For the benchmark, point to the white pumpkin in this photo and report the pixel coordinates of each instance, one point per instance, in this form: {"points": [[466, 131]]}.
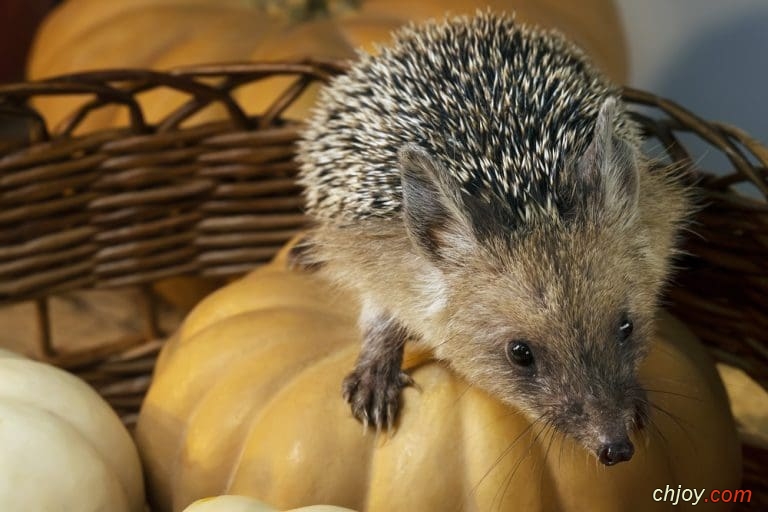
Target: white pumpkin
{"points": [[62, 448], [234, 503]]}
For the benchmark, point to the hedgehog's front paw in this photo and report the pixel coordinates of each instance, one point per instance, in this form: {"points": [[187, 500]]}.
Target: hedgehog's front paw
{"points": [[373, 393]]}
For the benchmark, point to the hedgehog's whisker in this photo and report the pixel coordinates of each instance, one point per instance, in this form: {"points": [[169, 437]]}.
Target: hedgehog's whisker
{"points": [[500, 457], [501, 492]]}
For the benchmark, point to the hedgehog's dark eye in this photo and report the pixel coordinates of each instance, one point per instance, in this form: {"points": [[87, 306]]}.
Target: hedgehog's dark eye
{"points": [[625, 328], [518, 352]]}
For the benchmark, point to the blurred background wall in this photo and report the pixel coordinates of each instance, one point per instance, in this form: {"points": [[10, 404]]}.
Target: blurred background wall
{"points": [[709, 55], [18, 20]]}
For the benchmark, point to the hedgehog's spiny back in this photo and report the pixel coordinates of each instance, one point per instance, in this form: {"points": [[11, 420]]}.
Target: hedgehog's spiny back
{"points": [[501, 106]]}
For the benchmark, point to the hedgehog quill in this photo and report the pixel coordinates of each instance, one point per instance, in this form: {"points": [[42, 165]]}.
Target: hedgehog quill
{"points": [[480, 185]]}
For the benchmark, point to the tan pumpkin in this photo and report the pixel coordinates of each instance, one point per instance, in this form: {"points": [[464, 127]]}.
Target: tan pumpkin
{"points": [[159, 34], [245, 400], [246, 504], [61, 445]]}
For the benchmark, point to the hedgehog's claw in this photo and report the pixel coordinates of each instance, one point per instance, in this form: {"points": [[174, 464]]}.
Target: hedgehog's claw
{"points": [[373, 394]]}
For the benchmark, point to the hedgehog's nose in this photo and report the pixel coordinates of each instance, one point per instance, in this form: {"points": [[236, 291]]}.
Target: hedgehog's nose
{"points": [[613, 453]]}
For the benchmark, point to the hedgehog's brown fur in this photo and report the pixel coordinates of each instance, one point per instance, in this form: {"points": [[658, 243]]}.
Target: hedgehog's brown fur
{"points": [[467, 220]]}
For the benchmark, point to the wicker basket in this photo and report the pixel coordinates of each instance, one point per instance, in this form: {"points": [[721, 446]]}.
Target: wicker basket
{"points": [[127, 207]]}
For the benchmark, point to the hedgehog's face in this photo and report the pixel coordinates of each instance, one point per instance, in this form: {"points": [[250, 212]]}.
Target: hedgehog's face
{"points": [[558, 327], [553, 316]]}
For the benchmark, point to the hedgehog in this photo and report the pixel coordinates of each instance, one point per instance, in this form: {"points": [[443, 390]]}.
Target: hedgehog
{"points": [[479, 185]]}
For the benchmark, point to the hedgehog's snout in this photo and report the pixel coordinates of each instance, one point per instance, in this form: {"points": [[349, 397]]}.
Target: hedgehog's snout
{"points": [[610, 436], [615, 450], [604, 426], [613, 443]]}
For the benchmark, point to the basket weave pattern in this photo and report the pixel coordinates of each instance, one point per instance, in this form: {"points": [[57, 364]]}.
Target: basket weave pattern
{"points": [[131, 205]]}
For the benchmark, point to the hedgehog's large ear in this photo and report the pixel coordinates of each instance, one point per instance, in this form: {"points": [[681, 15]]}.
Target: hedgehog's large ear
{"points": [[608, 169], [432, 210]]}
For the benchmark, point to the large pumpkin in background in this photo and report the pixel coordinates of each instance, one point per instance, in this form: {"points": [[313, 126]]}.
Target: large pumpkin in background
{"points": [[246, 400], [61, 446], [160, 34]]}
